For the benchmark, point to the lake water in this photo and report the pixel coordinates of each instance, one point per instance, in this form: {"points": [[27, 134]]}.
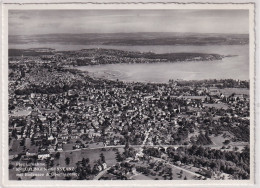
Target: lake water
{"points": [[231, 67]]}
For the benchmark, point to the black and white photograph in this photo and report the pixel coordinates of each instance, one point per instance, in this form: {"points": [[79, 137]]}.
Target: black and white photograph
{"points": [[130, 94]]}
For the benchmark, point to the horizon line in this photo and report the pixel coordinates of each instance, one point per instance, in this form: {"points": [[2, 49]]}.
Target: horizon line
{"points": [[130, 33]]}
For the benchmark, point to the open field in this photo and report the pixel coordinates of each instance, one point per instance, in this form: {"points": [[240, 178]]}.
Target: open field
{"points": [[230, 91], [218, 140]]}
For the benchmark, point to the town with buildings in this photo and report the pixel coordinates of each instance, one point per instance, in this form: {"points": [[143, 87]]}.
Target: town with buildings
{"points": [[67, 125]]}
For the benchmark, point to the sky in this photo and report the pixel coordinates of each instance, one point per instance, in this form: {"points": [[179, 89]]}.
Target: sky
{"points": [[31, 22]]}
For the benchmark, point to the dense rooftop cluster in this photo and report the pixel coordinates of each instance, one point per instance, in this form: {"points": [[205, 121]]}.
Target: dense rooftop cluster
{"points": [[55, 108]]}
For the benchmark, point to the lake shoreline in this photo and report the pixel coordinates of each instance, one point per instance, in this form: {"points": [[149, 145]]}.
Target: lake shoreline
{"points": [[146, 63]]}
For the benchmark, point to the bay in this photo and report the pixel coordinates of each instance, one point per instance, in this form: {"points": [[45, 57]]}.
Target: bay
{"points": [[236, 67]]}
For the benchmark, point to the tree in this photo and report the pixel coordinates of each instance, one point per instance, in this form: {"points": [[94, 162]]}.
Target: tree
{"points": [[95, 169], [88, 169], [102, 158], [185, 178], [57, 155], [51, 163], [11, 166], [226, 142], [67, 160], [119, 158], [84, 162], [47, 162]]}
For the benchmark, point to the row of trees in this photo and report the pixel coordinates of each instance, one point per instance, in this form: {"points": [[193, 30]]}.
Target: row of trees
{"points": [[234, 163]]}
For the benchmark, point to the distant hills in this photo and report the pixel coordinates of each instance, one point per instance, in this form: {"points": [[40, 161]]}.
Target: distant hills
{"points": [[130, 39]]}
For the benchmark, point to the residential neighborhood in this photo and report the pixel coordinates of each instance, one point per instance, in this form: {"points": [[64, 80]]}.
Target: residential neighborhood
{"points": [[96, 128]]}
